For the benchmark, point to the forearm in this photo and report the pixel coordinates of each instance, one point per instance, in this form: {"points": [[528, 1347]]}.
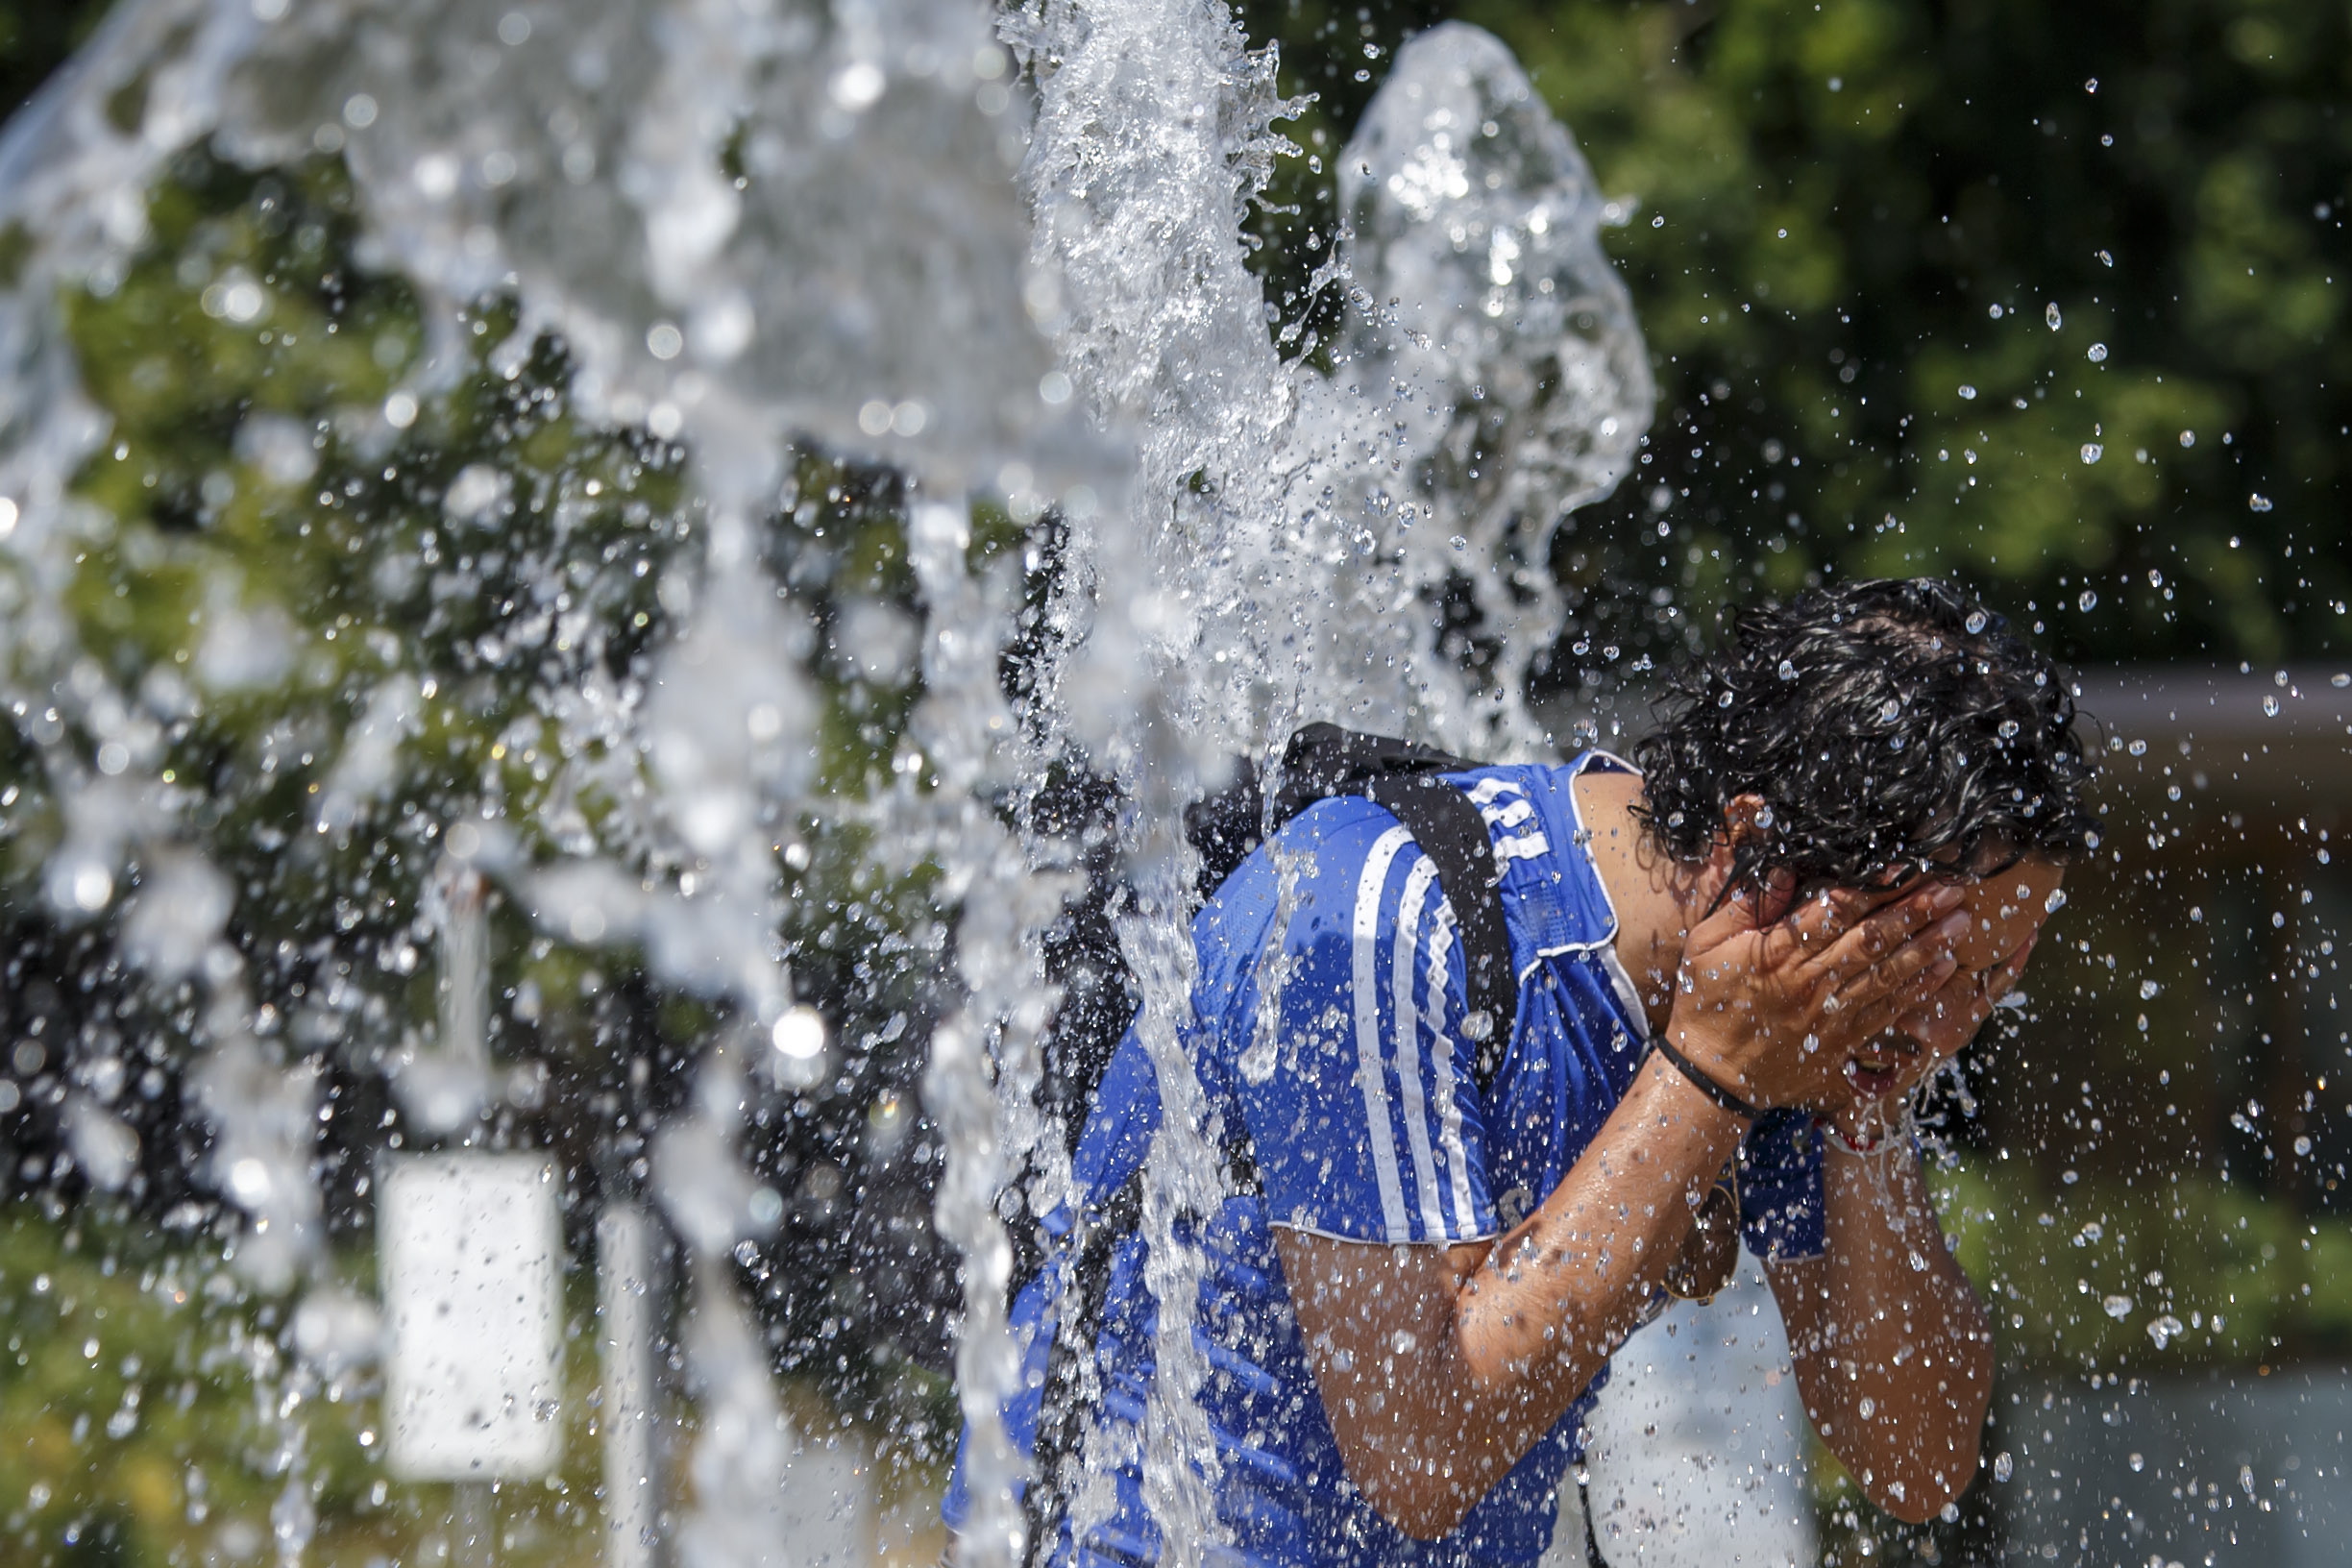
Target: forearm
{"points": [[1561, 1292], [1534, 1322], [1893, 1350]]}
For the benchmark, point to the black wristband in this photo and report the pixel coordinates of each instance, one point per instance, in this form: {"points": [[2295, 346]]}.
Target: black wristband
{"points": [[1706, 1086]]}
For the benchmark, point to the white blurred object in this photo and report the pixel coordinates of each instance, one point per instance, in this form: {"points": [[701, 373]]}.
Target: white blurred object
{"points": [[766, 1495], [468, 1246], [446, 1087], [106, 1149], [1698, 1446], [337, 1332], [629, 1302]]}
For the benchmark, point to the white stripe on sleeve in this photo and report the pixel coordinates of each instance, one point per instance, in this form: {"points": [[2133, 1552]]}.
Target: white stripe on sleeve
{"points": [[1371, 1072], [1407, 1022], [1509, 816], [1466, 1219]]}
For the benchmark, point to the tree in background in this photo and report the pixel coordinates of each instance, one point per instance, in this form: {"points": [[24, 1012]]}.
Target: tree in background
{"points": [[2047, 297]]}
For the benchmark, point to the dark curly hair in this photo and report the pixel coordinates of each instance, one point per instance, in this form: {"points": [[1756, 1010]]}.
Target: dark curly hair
{"points": [[1892, 728]]}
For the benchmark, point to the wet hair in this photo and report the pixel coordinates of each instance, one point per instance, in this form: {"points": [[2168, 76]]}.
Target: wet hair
{"points": [[1892, 728]]}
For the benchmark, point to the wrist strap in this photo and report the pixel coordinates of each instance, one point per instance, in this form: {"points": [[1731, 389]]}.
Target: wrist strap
{"points": [[1706, 1085]]}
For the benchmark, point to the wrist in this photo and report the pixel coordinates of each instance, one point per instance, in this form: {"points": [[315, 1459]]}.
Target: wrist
{"points": [[1696, 1077]]}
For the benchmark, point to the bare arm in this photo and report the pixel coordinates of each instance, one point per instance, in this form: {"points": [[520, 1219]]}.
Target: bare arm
{"points": [[1893, 1351], [1892, 1348], [1439, 1367]]}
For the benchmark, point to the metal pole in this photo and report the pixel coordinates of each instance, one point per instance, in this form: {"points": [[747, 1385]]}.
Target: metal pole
{"points": [[628, 1269]]}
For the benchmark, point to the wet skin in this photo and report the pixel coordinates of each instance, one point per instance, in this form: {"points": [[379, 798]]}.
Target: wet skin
{"points": [[1439, 1367]]}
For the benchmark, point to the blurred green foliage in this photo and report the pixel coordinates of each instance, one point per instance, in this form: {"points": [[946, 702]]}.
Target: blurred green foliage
{"points": [[2047, 296], [157, 1411]]}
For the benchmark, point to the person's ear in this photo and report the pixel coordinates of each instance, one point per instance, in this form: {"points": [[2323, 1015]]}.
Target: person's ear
{"points": [[1744, 820], [1746, 825]]}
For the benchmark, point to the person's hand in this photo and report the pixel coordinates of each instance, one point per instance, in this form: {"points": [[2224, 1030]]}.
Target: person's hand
{"points": [[1931, 1034], [1949, 1019], [1777, 1013]]}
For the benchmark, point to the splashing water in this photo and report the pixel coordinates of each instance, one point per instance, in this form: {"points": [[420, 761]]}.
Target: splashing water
{"points": [[760, 234]]}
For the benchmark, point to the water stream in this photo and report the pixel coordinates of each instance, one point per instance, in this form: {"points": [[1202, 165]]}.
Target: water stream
{"points": [[987, 269]]}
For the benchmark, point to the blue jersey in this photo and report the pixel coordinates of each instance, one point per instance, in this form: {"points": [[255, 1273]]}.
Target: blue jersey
{"points": [[1356, 1082]]}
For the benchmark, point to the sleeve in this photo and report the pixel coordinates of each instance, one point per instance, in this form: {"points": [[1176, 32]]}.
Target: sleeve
{"points": [[1354, 1073], [1780, 1187]]}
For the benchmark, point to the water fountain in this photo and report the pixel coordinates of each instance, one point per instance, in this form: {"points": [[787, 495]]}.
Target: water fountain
{"points": [[586, 655]]}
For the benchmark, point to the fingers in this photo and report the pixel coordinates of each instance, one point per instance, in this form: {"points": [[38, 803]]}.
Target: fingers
{"points": [[1950, 1018], [1815, 925], [1905, 977], [1891, 926]]}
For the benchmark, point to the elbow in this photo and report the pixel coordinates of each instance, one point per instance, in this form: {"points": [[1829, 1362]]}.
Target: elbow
{"points": [[1911, 1510], [1420, 1494], [1918, 1491], [1424, 1512]]}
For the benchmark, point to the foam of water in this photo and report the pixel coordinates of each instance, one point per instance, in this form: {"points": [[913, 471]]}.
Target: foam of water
{"points": [[761, 222]]}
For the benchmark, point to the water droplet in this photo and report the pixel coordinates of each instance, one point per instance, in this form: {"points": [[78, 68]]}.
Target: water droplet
{"points": [[2003, 1466], [1788, 672], [2088, 602], [2056, 901], [1968, 392], [2117, 1308], [1977, 622], [2258, 502], [2163, 1329], [1256, 1064], [2093, 452], [2302, 1147], [800, 1034], [1867, 1408], [2188, 438], [859, 84], [2270, 705], [2049, 314]]}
